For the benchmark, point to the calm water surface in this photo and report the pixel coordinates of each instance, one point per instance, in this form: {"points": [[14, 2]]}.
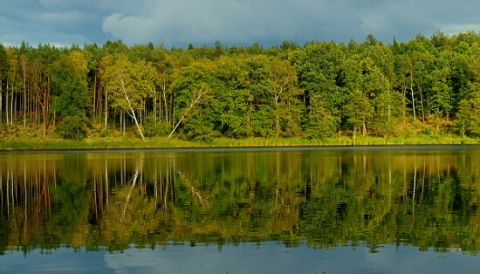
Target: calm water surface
{"points": [[408, 209]]}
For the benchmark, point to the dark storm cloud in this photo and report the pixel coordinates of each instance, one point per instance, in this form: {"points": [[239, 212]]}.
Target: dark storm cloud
{"points": [[235, 22], [241, 22], [50, 21]]}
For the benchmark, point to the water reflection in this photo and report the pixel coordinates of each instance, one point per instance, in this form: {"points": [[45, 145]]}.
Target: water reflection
{"points": [[425, 197]]}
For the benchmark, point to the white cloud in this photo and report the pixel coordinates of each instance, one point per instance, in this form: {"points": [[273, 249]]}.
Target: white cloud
{"points": [[453, 29]]}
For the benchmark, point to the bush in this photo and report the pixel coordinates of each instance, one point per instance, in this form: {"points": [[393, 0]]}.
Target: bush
{"points": [[152, 128], [74, 127], [199, 132]]}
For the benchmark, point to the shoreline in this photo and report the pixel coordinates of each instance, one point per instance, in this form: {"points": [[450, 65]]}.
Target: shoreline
{"points": [[48, 144]]}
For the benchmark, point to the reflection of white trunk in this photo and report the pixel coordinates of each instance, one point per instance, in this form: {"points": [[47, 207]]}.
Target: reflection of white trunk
{"points": [[106, 180], [414, 186], [134, 182], [13, 196], [423, 179], [155, 182], [277, 197], [389, 181], [195, 192], [8, 192], [166, 191], [26, 198]]}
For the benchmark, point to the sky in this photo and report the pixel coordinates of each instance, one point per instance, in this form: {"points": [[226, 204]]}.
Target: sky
{"points": [[178, 23]]}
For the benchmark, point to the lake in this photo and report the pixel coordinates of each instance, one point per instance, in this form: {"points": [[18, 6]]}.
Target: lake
{"points": [[398, 209]]}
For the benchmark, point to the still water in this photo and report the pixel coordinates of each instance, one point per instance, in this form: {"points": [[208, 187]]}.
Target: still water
{"points": [[405, 209]]}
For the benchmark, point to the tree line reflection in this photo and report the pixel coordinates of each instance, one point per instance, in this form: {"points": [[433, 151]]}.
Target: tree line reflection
{"points": [[325, 198]]}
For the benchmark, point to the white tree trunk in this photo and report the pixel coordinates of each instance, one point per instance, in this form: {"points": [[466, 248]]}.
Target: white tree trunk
{"points": [[203, 90]]}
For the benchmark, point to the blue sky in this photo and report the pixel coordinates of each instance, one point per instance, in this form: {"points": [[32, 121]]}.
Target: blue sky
{"points": [[232, 22]]}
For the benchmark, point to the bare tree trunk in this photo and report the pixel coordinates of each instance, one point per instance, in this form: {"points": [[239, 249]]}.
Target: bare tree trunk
{"points": [[422, 104], [413, 98], [6, 104], [354, 134], [165, 102], [134, 117], [94, 97], [155, 99], [364, 126], [44, 113], [124, 124], [11, 110], [106, 181], [130, 110], [106, 109], [24, 71]]}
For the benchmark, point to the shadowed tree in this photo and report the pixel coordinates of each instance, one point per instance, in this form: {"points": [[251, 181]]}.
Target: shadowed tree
{"points": [[3, 77], [69, 82], [359, 110], [319, 72]]}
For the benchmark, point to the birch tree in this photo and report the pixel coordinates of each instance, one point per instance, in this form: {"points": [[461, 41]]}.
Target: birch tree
{"points": [[130, 84], [197, 95]]}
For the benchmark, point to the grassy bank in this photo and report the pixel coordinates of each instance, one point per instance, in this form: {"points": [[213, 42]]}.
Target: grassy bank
{"points": [[39, 143]]}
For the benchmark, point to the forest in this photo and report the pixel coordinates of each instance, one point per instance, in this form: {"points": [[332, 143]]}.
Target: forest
{"points": [[424, 86]]}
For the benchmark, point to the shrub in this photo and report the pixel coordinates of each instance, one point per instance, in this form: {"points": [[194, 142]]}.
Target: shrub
{"points": [[152, 128], [74, 127]]}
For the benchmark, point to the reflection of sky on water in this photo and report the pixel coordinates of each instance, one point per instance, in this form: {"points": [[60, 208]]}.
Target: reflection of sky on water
{"points": [[53, 261], [246, 258]]}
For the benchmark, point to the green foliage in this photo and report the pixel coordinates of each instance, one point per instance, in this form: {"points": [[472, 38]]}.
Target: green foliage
{"points": [[468, 116], [359, 111], [74, 127], [201, 131], [286, 91], [70, 83], [3, 65], [152, 127], [387, 113], [321, 123]]}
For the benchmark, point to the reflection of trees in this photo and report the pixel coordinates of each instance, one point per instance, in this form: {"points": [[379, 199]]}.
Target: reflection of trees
{"points": [[26, 202], [326, 198]]}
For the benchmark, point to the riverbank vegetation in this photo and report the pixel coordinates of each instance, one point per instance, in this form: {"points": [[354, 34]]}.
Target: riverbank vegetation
{"points": [[425, 90], [160, 142]]}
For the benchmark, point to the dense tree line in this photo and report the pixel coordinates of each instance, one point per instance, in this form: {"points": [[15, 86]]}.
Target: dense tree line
{"points": [[322, 89]]}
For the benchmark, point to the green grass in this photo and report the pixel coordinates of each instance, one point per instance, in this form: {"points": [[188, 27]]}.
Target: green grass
{"points": [[40, 143]]}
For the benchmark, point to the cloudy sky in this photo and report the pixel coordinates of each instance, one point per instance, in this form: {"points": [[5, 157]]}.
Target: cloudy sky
{"points": [[240, 22]]}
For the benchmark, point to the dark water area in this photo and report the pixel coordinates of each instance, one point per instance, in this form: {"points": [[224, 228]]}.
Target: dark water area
{"points": [[374, 209]]}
